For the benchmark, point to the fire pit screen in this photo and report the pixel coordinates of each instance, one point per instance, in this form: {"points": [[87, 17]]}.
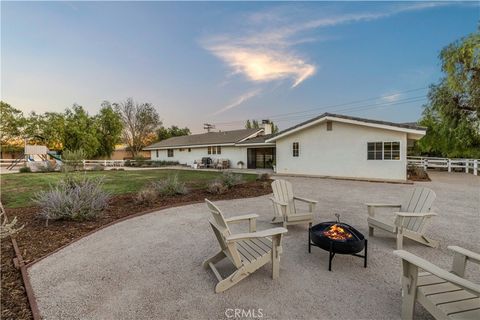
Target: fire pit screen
{"points": [[336, 237]]}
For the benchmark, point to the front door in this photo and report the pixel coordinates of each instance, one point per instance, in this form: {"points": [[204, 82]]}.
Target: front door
{"points": [[260, 158]]}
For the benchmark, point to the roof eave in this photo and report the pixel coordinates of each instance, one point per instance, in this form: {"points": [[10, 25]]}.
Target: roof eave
{"points": [[190, 146], [350, 121]]}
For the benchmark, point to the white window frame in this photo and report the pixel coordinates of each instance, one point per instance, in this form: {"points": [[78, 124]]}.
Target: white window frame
{"points": [[297, 154], [375, 151]]}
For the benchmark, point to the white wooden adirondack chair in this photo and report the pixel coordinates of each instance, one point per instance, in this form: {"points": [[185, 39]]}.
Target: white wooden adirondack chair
{"points": [[411, 219], [284, 205], [247, 251], [446, 295]]}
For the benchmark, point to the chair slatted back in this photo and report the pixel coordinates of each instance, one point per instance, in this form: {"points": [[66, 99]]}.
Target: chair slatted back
{"points": [[221, 231], [283, 192], [419, 200]]}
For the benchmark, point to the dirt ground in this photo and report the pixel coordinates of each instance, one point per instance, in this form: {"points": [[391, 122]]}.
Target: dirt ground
{"points": [[37, 240]]}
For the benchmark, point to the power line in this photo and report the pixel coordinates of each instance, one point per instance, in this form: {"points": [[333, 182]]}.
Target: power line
{"points": [[328, 107], [357, 108]]}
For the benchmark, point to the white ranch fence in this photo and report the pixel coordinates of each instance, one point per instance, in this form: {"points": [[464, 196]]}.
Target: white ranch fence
{"points": [[463, 165], [105, 163], [7, 162]]}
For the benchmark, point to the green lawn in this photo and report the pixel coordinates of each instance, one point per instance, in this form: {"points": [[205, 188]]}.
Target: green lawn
{"points": [[17, 189]]}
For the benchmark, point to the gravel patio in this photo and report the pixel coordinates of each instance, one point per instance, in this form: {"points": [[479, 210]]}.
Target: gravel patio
{"points": [[150, 267]]}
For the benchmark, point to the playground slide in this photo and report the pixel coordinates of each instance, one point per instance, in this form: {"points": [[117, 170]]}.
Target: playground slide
{"points": [[55, 156]]}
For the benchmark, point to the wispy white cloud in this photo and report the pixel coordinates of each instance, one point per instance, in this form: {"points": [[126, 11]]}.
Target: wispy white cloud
{"points": [[239, 100], [392, 97], [263, 65], [268, 52]]}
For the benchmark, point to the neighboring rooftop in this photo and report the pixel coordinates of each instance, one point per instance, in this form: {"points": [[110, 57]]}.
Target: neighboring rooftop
{"points": [[209, 138]]}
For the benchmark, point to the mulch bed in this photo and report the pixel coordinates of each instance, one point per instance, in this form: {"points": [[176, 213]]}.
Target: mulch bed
{"points": [[37, 240]]}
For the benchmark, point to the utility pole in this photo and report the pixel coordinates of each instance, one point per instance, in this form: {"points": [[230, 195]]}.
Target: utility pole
{"points": [[208, 126]]}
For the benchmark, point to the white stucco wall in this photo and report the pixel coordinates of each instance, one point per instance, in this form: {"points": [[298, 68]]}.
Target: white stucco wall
{"points": [[341, 152], [234, 154]]}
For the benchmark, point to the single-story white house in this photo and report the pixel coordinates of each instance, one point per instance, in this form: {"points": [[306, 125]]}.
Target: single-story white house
{"points": [[329, 145]]}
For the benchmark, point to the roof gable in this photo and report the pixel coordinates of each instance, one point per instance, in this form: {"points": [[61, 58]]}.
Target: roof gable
{"points": [[402, 127]]}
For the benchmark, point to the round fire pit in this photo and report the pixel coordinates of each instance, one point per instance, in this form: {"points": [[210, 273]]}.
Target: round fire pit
{"points": [[336, 237]]}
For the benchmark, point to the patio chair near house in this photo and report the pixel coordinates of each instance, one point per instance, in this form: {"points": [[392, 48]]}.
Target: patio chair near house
{"points": [[411, 219], [446, 295], [284, 208], [246, 251], [199, 164], [221, 164]]}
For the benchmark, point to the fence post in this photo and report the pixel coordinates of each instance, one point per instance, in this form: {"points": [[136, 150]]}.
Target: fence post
{"points": [[475, 167], [104, 163], [425, 164], [449, 164], [83, 163], [466, 165]]}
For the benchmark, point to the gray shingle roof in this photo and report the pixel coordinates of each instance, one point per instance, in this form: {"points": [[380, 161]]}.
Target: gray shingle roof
{"points": [[210, 138], [326, 114]]}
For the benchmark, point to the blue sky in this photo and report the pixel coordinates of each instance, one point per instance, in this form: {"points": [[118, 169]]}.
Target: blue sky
{"points": [[224, 62]]}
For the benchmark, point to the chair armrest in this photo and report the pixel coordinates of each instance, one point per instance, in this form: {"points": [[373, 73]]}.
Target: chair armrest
{"points": [[415, 214], [305, 200], [473, 256], [254, 235], [278, 202], [242, 218], [384, 205], [252, 219], [433, 269]]}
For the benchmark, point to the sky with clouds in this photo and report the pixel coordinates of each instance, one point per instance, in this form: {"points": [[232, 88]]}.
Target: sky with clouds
{"points": [[225, 62]]}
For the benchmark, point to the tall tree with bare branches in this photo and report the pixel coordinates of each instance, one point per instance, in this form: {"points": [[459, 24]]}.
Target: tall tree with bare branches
{"points": [[140, 121]]}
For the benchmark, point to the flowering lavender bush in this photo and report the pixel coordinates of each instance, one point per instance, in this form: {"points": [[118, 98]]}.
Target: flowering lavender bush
{"points": [[230, 179], [73, 199], [170, 186], [217, 187], [147, 195]]}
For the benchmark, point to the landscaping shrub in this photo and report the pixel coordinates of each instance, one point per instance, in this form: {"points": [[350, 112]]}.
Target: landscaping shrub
{"points": [[230, 179], [170, 186], [8, 228], [150, 163], [73, 199], [147, 195], [73, 160], [25, 170], [217, 187], [417, 173], [98, 167]]}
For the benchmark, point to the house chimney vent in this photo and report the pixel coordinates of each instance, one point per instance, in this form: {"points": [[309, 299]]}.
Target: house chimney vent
{"points": [[267, 126]]}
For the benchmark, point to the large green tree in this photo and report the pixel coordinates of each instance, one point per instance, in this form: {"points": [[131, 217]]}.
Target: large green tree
{"points": [[174, 131], [12, 124], [452, 115], [109, 129], [140, 122], [47, 128], [80, 131]]}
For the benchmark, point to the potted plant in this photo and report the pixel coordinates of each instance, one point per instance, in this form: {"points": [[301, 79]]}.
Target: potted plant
{"points": [[240, 164]]}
